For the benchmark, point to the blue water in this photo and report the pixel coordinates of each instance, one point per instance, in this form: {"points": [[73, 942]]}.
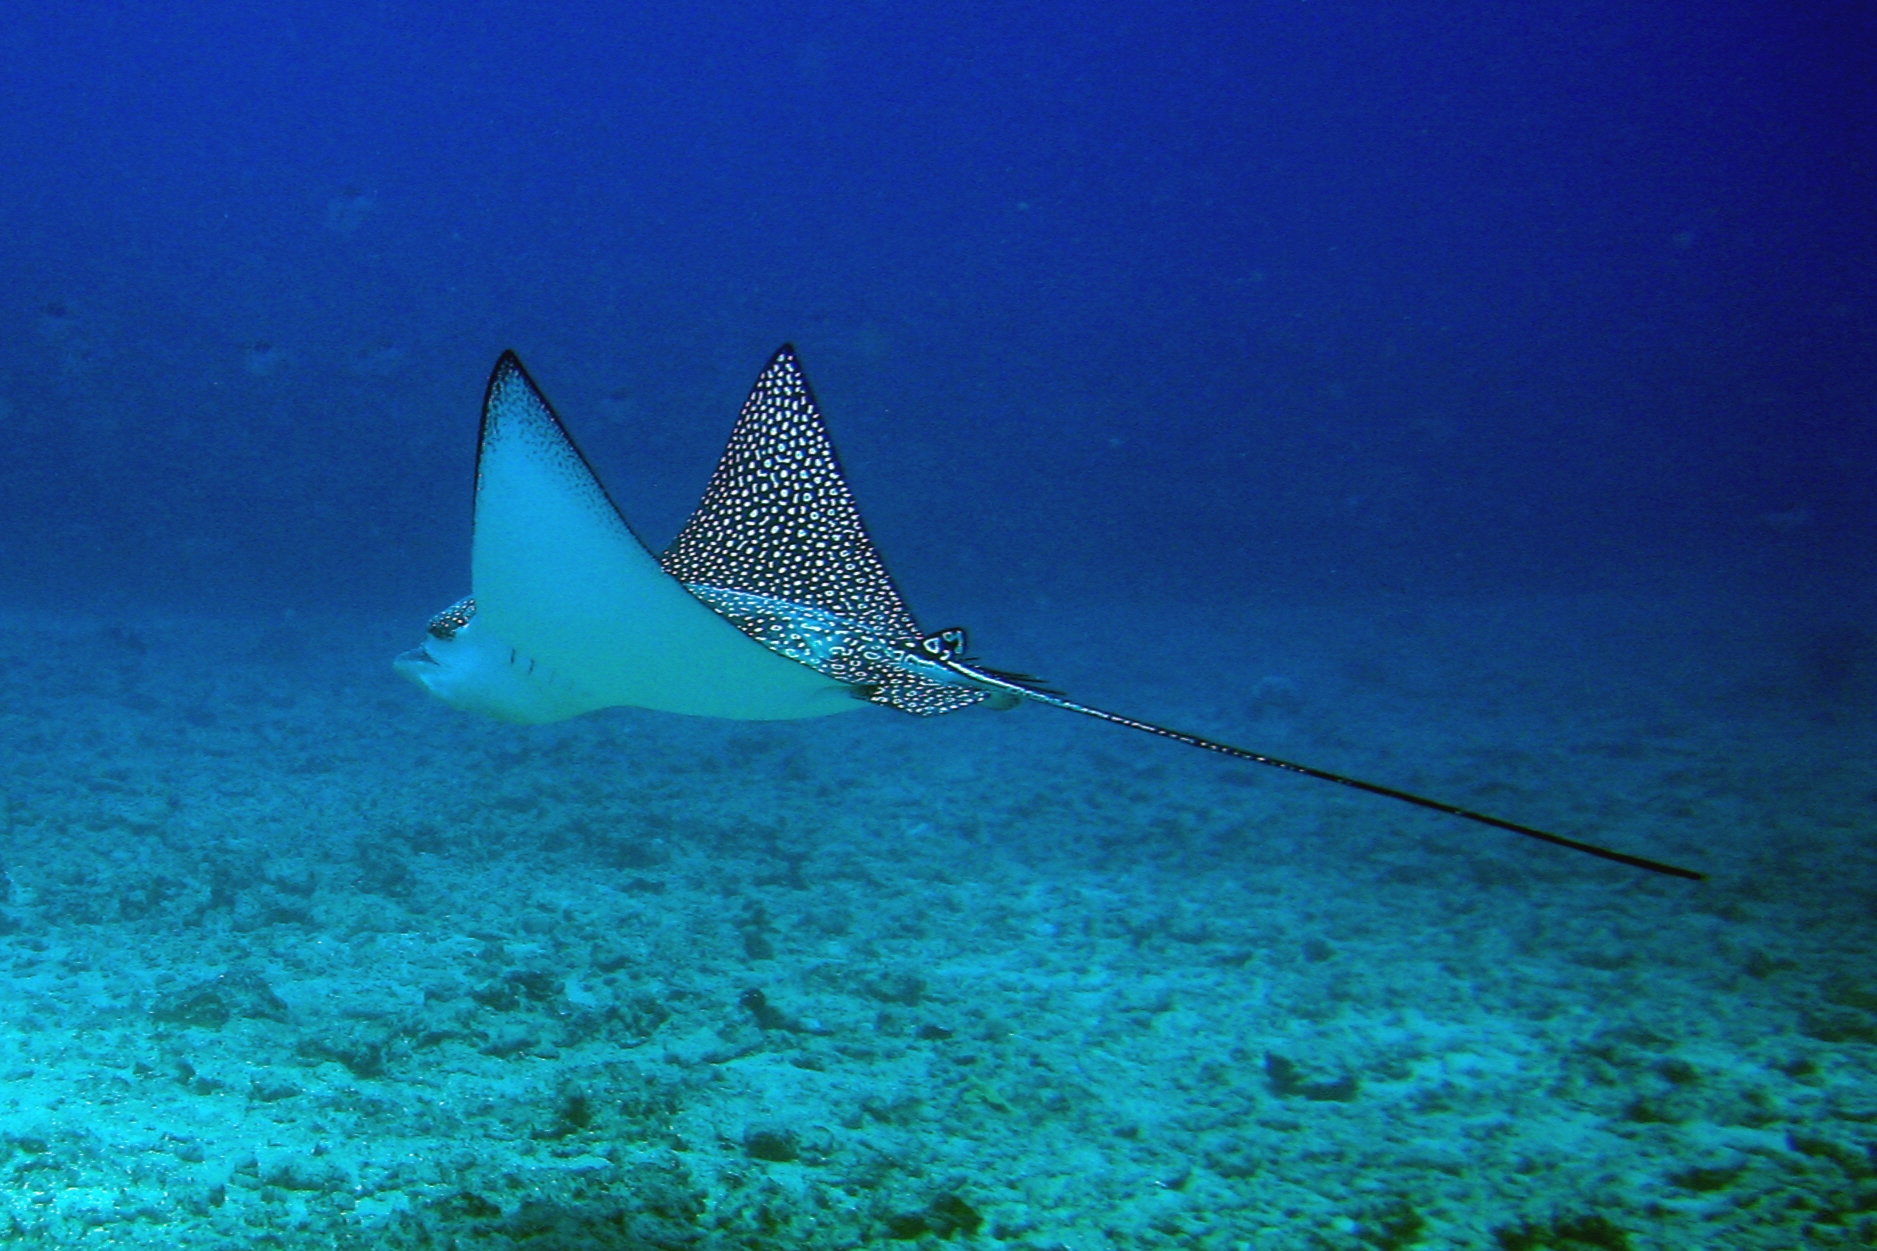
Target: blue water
{"points": [[1480, 399]]}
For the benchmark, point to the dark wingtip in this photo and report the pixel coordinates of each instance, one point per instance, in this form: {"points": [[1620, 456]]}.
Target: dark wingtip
{"points": [[508, 371], [507, 365]]}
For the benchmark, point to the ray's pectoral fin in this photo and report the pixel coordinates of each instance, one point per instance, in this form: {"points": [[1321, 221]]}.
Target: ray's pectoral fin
{"points": [[570, 612], [778, 547]]}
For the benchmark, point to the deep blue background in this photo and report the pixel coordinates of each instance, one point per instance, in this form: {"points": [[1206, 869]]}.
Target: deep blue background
{"points": [[1114, 298]]}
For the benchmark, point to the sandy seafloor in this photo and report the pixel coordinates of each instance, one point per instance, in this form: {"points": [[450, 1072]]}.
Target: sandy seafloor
{"points": [[293, 956]]}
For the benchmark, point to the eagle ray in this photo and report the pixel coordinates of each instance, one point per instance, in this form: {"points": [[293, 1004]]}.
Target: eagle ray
{"points": [[583, 618]]}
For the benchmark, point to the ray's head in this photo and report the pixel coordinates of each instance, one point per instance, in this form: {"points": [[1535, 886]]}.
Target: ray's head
{"points": [[468, 669]]}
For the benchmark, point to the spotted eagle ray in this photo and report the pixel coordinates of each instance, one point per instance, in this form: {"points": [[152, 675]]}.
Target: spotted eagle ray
{"points": [[771, 604]]}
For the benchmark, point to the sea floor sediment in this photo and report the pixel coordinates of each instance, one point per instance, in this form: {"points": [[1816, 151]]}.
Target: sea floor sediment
{"points": [[290, 956]]}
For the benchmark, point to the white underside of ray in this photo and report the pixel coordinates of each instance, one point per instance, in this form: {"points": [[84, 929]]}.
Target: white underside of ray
{"points": [[572, 613]]}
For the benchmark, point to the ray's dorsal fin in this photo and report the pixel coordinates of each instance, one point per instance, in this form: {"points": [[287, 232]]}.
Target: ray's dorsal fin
{"points": [[570, 612], [778, 519]]}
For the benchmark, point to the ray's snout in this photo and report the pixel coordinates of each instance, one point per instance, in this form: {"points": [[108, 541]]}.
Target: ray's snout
{"points": [[417, 664], [424, 670]]}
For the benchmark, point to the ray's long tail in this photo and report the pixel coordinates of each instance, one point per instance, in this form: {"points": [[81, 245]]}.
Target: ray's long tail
{"points": [[938, 648]]}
